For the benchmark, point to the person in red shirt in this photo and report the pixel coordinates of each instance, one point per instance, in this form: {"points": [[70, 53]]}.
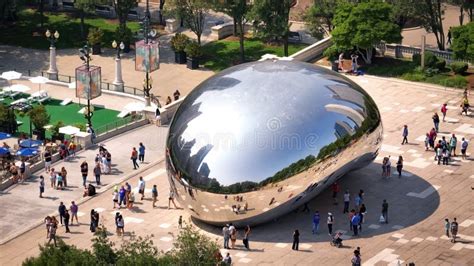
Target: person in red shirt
{"points": [[335, 189]]}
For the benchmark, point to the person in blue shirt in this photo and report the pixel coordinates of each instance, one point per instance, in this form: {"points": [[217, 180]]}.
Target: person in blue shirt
{"points": [[355, 224], [141, 152], [316, 219]]}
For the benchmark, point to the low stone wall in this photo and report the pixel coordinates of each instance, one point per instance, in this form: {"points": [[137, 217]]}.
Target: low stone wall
{"points": [[219, 32], [313, 51], [117, 131]]}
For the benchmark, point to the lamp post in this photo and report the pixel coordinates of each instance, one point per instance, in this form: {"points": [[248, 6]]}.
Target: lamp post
{"points": [[85, 55], [118, 81], [147, 34], [53, 70]]}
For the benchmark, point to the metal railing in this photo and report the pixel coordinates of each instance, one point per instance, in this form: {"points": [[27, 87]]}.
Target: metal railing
{"points": [[66, 78], [399, 50], [118, 124]]}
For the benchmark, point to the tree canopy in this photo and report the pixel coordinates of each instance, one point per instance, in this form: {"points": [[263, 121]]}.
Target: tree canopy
{"points": [[363, 25], [193, 13], [463, 41], [190, 248], [271, 20]]}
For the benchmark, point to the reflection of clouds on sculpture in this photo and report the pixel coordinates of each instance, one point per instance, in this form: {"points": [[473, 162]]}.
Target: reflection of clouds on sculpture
{"points": [[261, 127]]}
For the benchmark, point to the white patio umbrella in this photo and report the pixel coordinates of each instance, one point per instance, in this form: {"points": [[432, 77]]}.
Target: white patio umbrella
{"points": [[135, 106], [69, 130], [10, 75], [39, 80], [17, 88]]}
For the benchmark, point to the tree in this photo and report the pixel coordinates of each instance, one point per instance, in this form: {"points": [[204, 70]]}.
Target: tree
{"points": [[122, 7], [431, 14], [41, 11], [464, 6], [238, 10], [363, 25], [319, 17], [191, 248], [402, 10], [161, 21], [271, 20], [39, 117], [8, 9], [7, 120], [463, 44], [84, 7], [193, 13]]}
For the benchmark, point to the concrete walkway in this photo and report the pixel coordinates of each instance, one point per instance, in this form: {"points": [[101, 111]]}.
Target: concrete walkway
{"points": [[21, 206], [419, 201]]}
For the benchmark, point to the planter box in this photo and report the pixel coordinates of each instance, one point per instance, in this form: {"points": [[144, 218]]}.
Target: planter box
{"points": [[96, 49], [180, 57], [193, 63]]}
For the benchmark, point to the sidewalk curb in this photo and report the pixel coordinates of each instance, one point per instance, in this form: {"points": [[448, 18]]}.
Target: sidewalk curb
{"points": [[83, 200]]}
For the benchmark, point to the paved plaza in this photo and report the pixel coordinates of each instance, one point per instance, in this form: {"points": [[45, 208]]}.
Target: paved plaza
{"points": [[418, 202]]}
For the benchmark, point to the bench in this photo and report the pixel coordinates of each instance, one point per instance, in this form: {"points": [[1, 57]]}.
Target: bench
{"points": [[106, 11], [294, 37]]}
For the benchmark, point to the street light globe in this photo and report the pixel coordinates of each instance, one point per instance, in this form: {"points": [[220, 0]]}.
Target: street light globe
{"points": [[56, 34], [153, 33], [48, 33], [114, 44], [122, 45]]}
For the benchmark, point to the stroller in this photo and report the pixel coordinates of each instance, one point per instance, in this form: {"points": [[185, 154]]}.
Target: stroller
{"points": [[337, 240]]}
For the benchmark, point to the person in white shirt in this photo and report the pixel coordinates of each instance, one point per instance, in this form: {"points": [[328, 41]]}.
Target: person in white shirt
{"points": [[141, 187]]}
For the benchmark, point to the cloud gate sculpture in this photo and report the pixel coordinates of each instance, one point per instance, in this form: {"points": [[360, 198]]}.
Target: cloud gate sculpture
{"points": [[260, 139]]}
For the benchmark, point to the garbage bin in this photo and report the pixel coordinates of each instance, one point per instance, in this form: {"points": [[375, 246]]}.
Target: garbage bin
{"points": [[335, 65]]}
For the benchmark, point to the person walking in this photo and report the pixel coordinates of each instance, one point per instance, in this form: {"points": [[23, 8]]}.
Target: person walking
{"points": [[453, 141], [362, 212], [41, 186], [66, 221], [141, 152], [93, 222], [356, 260], [134, 158], [454, 230], [447, 226], [180, 222], [347, 199], [296, 240], [388, 167], [316, 219], [84, 172], [405, 134], [52, 232], [171, 199], [154, 195], [436, 121], [330, 222], [59, 181], [246, 237], [226, 235], [120, 224], [64, 175], [52, 178], [444, 110], [62, 211], [74, 209], [355, 222], [97, 173], [47, 160], [400, 166], [122, 195], [233, 235], [385, 211], [464, 145], [22, 170], [141, 187]]}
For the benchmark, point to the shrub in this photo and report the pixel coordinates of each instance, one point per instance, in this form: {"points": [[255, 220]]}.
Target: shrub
{"points": [[430, 60], [332, 53], [459, 67], [416, 58], [429, 72], [455, 82], [193, 50], [414, 76], [179, 42], [440, 64], [95, 36]]}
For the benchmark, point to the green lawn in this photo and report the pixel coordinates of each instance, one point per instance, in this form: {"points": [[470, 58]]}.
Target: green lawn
{"points": [[68, 114], [26, 32], [222, 54], [408, 70]]}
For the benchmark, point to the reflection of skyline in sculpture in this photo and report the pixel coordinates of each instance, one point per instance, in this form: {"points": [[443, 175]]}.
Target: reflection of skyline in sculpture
{"points": [[268, 127]]}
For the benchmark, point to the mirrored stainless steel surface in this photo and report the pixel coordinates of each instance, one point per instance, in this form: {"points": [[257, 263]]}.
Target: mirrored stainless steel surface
{"points": [[260, 139]]}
